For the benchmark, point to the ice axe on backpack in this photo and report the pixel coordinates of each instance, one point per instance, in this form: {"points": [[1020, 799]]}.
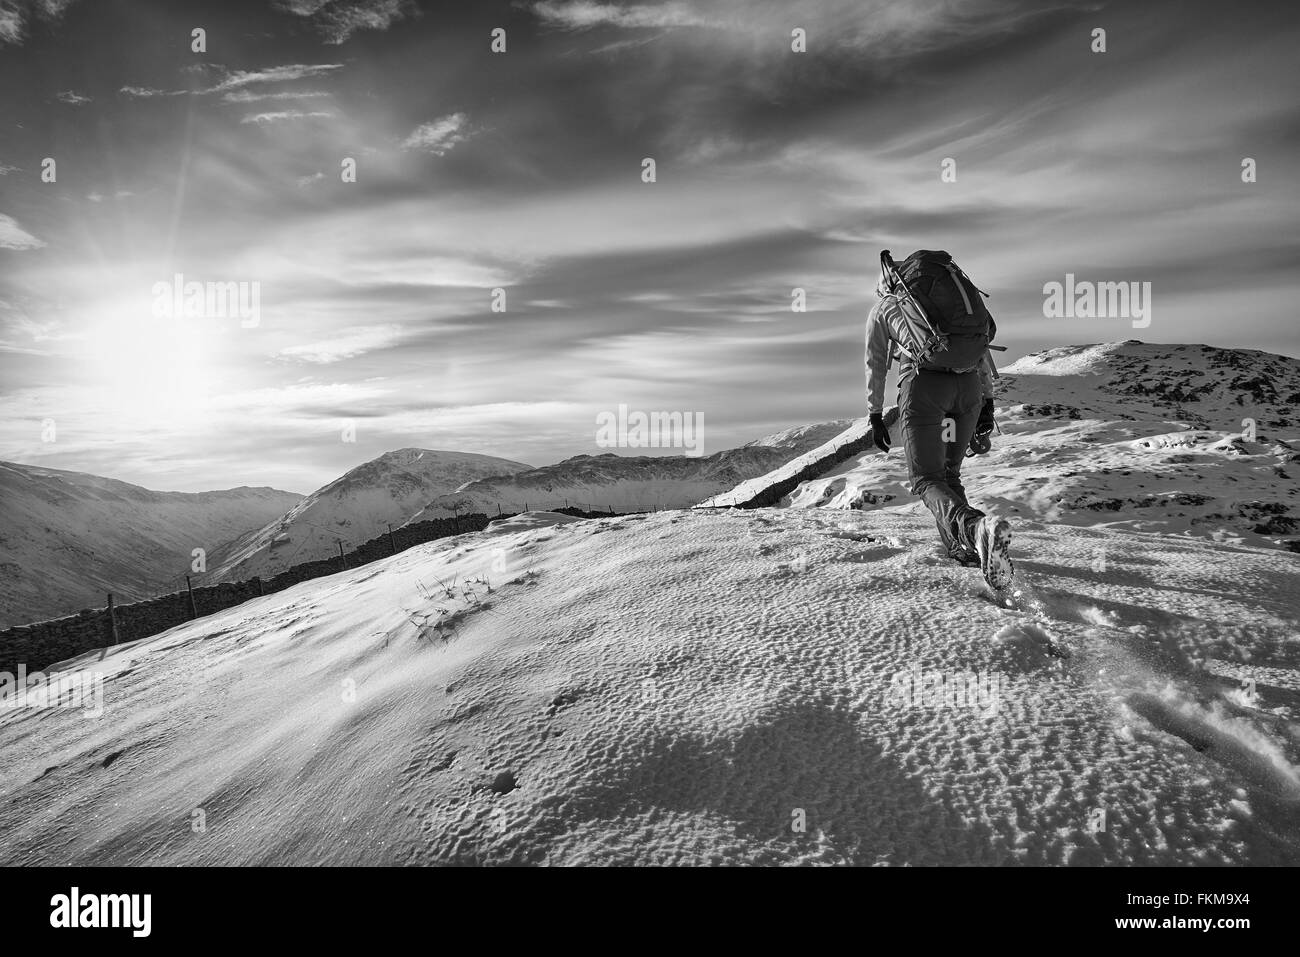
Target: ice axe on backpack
{"points": [[922, 339]]}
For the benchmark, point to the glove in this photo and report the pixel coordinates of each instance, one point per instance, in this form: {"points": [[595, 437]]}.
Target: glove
{"points": [[980, 443], [879, 434]]}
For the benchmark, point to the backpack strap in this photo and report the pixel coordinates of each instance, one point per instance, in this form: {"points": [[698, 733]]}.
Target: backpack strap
{"points": [[972, 282], [956, 281]]}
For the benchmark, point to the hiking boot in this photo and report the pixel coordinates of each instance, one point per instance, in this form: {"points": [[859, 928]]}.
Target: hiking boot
{"points": [[993, 543]]}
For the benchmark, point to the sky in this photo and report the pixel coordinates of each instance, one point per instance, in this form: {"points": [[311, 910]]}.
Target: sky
{"points": [[522, 171]]}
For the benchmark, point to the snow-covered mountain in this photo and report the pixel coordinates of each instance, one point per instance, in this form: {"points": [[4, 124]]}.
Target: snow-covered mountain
{"points": [[628, 483], [354, 508], [772, 686], [1136, 436], [66, 538]]}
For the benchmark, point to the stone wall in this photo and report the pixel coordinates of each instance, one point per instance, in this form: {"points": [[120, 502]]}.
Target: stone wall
{"points": [[45, 643]]}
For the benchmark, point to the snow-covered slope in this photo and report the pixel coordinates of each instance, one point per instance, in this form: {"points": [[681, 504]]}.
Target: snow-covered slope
{"points": [[627, 483], [354, 508], [1128, 435], [766, 686], [66, 538]]}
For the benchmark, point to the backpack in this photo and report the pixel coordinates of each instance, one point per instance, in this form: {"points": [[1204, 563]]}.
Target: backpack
{"points": [[949, 325]]}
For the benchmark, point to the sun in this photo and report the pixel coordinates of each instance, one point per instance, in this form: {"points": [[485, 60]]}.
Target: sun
{"points": [[152, 368]]}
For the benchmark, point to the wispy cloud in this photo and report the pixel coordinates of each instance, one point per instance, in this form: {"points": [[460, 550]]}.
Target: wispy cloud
{"points": [[337, 20], [248, 96], [890, 29], [232, 85], [585, 14], [16, 16], [72, 98], [147, 91], [11, 25], [346, 346], [13, 236], [282, 115], [274, 74], [438, 136]]}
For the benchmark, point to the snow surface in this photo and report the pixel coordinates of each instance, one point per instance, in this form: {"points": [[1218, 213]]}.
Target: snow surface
{"points": [[680, 688]]}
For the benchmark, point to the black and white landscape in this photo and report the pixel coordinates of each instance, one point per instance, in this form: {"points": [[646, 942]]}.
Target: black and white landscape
{"points": [[407, 376]]}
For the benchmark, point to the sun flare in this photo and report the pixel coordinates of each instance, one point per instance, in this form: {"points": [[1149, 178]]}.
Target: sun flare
{"points": [[153, 368]]}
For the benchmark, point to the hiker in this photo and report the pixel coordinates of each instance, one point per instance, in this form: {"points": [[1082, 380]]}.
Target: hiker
{"points": [[932, 319]]}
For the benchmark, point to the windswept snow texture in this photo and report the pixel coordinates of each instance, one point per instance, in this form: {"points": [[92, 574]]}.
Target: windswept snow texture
{"points": [[630, 483], [732, 687], [354, 508], [68, 538], [1148, 438]]}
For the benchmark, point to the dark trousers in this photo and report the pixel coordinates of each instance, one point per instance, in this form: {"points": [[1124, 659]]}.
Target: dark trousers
{"points": [[938, 412]]}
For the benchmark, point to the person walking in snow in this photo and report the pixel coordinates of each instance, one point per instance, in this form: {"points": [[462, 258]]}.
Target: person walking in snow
{"points": [[932, 320]]}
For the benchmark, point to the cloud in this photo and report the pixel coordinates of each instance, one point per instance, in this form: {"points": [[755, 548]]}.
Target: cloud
{"points": [[11, 24], [345, 346], [274, 74], [16, 16], [13, 236], [890, 28], [248, 96], [146, 91], [72, 98], [439, 136], [305, 181], [283, 115], [6, 170], [585, 14], [337, 20], [231, 85]]}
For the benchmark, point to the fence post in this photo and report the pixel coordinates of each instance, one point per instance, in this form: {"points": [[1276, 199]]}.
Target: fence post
{"points": [[391, 543], [112, 622], [194, 612], [342, 561], [455, 519]]}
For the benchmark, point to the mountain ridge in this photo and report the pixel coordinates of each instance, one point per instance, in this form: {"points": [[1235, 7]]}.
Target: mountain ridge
{"points": [[67, 538]]}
